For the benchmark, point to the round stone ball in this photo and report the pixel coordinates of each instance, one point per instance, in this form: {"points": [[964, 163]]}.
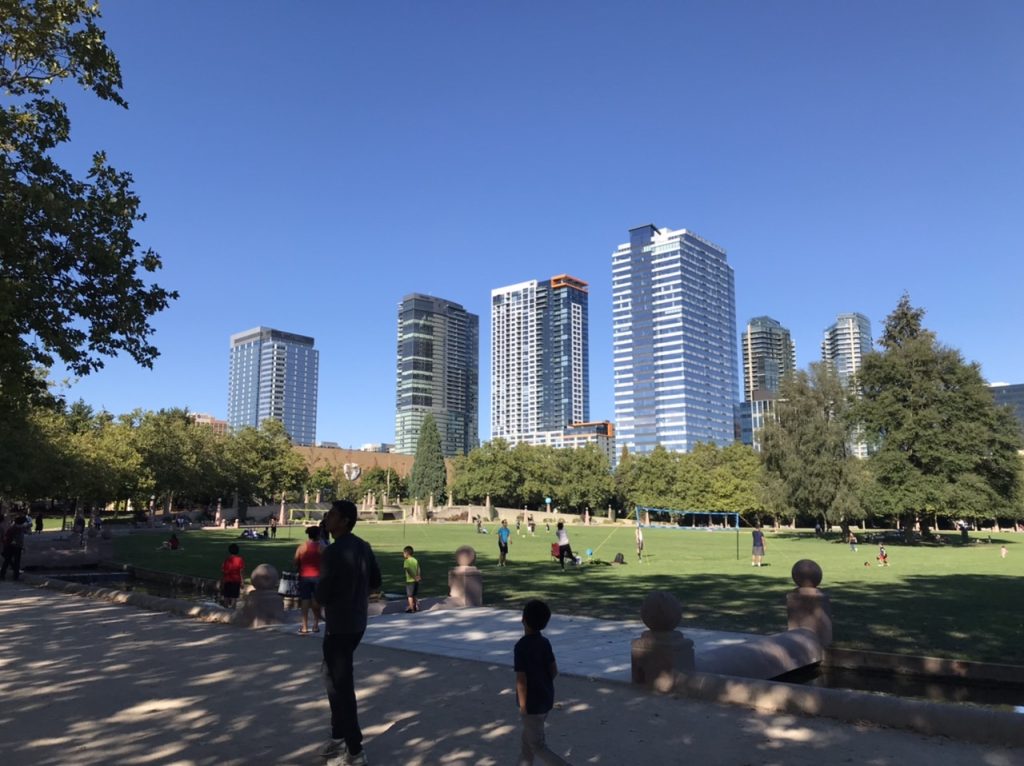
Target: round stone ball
{"points": [[265, 577], [806, 574], [465, 556], [661, 611]]}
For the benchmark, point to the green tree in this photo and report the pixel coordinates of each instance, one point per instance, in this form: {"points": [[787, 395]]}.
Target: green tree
{"points": [[585, 478], [72, 278], [805, 449], [490, 470], [322, 484], [654, 478], [428, 478], [381, 482], [942, 444], [263, 465]]}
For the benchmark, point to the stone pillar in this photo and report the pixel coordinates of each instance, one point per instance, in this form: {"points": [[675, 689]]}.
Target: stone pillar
{"points": [[662, 651], [263, 605], [465, 583], [807, 606]]}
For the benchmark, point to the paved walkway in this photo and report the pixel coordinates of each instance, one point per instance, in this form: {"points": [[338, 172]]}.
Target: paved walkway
{"points": [[86, 683]]}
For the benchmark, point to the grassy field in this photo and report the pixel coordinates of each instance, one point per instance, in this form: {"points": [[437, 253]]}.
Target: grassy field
{"points": [[955, 600]]}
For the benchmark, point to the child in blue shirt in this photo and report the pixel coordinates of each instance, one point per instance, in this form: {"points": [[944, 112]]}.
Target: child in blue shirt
{"points": [[535, 669]]}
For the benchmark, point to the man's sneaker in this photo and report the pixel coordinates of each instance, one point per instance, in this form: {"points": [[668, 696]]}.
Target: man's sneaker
{"points": [[344, 759], [331, 748]]}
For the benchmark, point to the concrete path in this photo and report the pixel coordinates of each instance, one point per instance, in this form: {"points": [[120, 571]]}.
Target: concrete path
{"points": [[85, 682]]}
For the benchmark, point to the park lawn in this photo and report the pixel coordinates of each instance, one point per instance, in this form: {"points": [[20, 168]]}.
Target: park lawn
{"points": [[951, 601]]}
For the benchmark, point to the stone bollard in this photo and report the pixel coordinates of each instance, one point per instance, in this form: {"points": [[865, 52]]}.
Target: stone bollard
{"points": [[263, 605], [662, 651], [465, 584], [807, 605]]}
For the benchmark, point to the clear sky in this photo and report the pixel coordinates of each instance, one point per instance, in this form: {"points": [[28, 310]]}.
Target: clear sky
{"points": [[305, 165]]}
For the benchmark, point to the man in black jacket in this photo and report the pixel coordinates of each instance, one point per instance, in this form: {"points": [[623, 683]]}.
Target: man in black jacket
{"points": [[348, 573]]}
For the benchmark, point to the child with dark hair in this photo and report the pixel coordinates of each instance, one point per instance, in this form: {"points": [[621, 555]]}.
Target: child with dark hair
{"points": [[411, 567], [535, 669], [232, 573]]}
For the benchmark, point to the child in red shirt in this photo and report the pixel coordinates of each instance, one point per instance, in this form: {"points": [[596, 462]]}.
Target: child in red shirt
{"points": [[232, 573]]}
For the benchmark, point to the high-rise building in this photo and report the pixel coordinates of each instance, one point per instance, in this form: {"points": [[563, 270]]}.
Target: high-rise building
{"points": [[843, 348], [273, 375], [1012, 396], [768, 355], [540, 359], [438, 374], [674, 341], [845, 344]]}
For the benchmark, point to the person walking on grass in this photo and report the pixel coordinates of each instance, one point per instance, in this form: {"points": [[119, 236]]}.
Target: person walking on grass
{"points": [[535, 669], [564, 549], [348, 573], [232, 572], [411, 567], [503, 534], [307, 564], [757, 554], [639, 543]]}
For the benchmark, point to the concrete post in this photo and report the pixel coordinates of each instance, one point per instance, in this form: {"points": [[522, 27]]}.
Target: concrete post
{"points": [[661, 652], [807, 606]]}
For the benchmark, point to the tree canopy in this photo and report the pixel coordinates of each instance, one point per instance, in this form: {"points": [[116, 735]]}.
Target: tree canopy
{"points": [[942, 444], [72, 278], [429, 477]]}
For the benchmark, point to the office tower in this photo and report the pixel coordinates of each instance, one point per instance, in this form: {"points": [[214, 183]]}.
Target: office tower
{"points": [[218, 426], [674, 341], [845, 344], [768, 355], [438, 373], [540, 379], [843, 348], [273, 375], [1012, 396]]}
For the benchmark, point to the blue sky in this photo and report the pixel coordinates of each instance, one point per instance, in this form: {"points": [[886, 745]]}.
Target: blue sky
{"points": [[305, 165]]}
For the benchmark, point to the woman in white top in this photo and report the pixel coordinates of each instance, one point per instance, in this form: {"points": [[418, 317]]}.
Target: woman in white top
{"points": [[564, 549]]}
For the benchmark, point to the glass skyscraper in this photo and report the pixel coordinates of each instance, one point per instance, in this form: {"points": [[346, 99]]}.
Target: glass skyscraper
{"points": [[273, 375], [438, 373], [768, 355], [540, 359], [674, 341]]}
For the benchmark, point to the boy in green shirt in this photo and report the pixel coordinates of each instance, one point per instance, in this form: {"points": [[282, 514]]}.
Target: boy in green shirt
{"points": [[412, 578]]}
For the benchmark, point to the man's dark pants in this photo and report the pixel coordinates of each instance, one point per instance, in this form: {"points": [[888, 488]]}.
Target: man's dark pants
{"points": [[12, 558], [341, 691]]}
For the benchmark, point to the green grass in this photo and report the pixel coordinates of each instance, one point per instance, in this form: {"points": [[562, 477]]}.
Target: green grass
{"points": [[950, 601]]}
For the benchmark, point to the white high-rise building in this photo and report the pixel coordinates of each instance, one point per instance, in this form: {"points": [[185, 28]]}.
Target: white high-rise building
{"points": [[674, 341], [843, 348], [540, 381]]}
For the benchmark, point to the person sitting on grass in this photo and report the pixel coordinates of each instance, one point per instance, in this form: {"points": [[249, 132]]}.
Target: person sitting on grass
{"points": [[170, 544], [883, 557]]}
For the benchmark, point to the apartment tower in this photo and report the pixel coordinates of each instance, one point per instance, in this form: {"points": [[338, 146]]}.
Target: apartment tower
{"points": [[437, 373], [674, 341]]}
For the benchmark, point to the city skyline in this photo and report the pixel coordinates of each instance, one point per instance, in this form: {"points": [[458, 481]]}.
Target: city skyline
{"points": [[823, 152]]}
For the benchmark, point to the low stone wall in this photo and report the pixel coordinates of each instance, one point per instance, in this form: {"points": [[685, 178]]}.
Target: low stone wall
{"points": [[141, 600], [959, 722]]}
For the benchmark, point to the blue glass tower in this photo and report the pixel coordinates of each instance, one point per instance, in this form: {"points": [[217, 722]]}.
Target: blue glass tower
{"points": [[273, 375], [674, 341]]}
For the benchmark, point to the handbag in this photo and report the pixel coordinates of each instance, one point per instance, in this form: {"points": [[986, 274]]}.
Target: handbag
{"points": [[289, 585]]}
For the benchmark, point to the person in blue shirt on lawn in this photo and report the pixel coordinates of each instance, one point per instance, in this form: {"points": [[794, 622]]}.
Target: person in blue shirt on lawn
{"points": [[503, 534]]}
